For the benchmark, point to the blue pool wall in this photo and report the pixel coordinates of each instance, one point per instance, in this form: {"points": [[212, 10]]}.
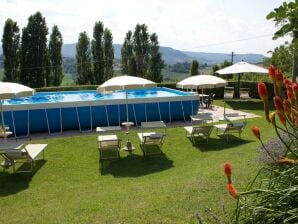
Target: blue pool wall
{"points": [[87, 115]]}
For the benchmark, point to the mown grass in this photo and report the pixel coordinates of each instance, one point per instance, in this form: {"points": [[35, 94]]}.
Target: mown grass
{"points": [[71, 187]]}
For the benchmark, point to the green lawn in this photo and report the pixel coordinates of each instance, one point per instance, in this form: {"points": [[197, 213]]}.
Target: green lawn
{"points": [[69, 187]]}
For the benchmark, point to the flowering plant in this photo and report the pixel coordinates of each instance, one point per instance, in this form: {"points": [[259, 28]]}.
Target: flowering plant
{"points": [[275, 198]]}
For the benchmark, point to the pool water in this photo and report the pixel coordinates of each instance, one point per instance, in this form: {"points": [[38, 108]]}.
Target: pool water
{"points": [[76, 96]]}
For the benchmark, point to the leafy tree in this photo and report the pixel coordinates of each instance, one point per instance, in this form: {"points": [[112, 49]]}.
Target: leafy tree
{"points": [[97, 53], [140, 54], [127, 58], [55, 56], [141, 48], [194, 67], [286, 17], [11, 45], [281, 58], [180, 67], [156, 63], [34, 52], [108, 53], [226, 63], [215, 68], [83, 57]]}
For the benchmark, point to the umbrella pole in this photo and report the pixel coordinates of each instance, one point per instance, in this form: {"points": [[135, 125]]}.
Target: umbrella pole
{"points": [[224, 108], [202, 100], [2, 117], [238, 90], [129, 146], [126, 94]]}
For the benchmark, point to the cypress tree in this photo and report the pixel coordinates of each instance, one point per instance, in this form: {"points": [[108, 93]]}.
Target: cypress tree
{"points": [[97, 53], [55, 56], [34, 52], [156, 63], [10, 46], [83, 57], [108, 53], [194, 67], [127, 57], [141, 47]]}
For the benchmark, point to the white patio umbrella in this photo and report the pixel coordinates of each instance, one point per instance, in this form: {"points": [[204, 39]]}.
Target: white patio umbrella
{"points": [[240, 68], [9, 90], [201, 82], [125, 82]]}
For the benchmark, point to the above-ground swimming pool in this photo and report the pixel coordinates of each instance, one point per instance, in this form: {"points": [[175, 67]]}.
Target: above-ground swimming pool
{"points": [[54, 112]]}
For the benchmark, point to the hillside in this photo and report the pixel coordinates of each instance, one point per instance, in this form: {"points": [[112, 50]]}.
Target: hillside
{"points": [[172, 56]]}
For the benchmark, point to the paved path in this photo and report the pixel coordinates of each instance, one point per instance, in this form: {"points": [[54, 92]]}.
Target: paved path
{"points": [[217, 113]]}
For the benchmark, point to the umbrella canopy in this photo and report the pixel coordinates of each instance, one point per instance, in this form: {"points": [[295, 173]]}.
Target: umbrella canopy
{"points": [[201, 82], [125, 82], [241, 67], [10, 90]]}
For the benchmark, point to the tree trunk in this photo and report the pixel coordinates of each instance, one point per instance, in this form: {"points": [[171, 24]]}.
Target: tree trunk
{"points": [[295, 59]]}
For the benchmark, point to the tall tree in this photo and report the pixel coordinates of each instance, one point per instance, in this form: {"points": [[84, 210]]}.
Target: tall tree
{"points": [[108, 53], [156, 63], [83, 57], [34, 52], [281, 58], [127, 57], [194, 67], [55, 56], [286, 17], [10, 46], [141, 48], [97, 53]]}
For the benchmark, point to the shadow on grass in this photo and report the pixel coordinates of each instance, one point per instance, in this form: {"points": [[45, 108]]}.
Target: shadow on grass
{"points": [[216, 144], [12, 183], [245, 104], [136, 165]]}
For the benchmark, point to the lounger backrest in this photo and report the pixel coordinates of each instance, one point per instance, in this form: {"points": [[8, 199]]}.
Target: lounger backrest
{"points": [[239, 126], [155, 138], [205, 130], [109, 144]]}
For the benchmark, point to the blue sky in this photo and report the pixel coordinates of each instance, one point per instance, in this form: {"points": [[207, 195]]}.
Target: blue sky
{"points": [[193, 25]]}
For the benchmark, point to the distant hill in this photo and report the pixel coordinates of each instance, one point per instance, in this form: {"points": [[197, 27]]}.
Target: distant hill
{"points": [[214, 58], [172, 56]]}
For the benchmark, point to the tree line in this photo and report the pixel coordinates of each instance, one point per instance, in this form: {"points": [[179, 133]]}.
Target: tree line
{"points": [[30, 59]]}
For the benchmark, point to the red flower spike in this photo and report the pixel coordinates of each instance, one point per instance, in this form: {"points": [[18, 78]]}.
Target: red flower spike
{"points": [[278, 104], [282, 118], [287, 107], [287, 82], [278, 76], [228, 171], [290, 93], [295, 90], [233, 191], [271, 72], [256, 132], [263, 92]]}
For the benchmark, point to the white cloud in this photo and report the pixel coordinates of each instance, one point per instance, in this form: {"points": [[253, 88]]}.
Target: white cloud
{"points": [[194, 25]]}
